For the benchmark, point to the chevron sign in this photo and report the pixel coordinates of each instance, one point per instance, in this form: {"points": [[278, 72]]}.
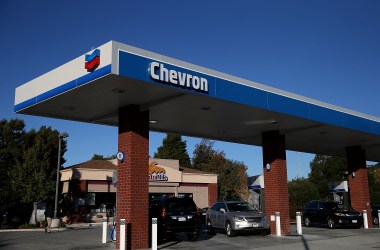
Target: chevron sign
{"points": [[92, 60]]}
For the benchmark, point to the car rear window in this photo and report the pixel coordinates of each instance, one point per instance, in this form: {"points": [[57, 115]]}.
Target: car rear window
{"points": [[180, 204]]}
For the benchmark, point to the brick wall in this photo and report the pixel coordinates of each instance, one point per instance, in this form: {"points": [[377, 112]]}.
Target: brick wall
{"points": [[132, 190], [358, 183], [276, 179]]}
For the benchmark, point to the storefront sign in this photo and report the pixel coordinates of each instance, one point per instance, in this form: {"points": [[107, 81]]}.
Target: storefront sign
{"points": [[157, 173], [161, 72]]}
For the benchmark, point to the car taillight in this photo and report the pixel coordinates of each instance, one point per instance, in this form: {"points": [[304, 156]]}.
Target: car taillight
{"points": [[198, 211], [163, 213]]}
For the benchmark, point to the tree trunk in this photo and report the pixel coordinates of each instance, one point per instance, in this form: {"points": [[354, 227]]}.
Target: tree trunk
{"points": [[33, 217]]}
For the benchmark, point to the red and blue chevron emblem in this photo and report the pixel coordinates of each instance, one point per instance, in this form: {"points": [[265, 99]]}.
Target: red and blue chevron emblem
{"points": [[92, 60]]}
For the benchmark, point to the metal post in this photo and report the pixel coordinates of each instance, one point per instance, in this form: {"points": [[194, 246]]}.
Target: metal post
{"points": [[57, 180], [378, 217], [60, 136], [299, 224], [122, 234], [104, 238], [278, 224], [154, 233], [365, 219]]}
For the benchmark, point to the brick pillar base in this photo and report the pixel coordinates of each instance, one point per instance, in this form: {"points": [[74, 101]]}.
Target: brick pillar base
{"points": [[358, 180], [276, 180], [132, 185]]}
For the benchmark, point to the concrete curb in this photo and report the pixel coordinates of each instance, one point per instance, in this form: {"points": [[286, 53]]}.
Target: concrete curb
{"points": [[71, 226], [31, 230]]}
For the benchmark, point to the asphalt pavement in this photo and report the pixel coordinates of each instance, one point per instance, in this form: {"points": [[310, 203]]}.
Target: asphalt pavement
{"points": [[89, 237]]}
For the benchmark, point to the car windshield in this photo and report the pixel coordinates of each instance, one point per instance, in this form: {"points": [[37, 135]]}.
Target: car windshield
{"points": [[335, 206], [240, 206]]}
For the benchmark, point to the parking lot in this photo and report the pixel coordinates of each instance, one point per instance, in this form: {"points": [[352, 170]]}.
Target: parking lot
{"points": [[89, 237]]}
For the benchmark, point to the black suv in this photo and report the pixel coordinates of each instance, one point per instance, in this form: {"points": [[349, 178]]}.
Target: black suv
{"points": [[332, 214], [176, 215]]}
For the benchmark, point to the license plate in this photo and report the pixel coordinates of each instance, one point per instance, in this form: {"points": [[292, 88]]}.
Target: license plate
{"points": [[354, 221], [181, 219], [255, 225]]}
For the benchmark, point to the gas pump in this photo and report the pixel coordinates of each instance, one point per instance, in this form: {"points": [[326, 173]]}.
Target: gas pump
{"points": [[339, 189], [256, 188]]}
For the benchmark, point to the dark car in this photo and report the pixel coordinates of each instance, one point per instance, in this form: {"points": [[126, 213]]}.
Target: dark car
{"points": [[176, 215], [375, 214], [332, 214]]}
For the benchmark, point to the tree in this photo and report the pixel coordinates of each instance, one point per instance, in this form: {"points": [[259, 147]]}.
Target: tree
{"points": [[34, 179], [325, 169], [173, 147], [102, 157], [374, 183], [301, 191], [232, 177], [11, 152]]}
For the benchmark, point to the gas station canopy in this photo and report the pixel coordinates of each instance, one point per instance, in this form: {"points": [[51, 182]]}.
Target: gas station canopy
{"points": [[191, 100]]}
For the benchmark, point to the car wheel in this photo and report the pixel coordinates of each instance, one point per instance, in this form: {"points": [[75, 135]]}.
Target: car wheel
{"points": [[375, 221], [307, 222], [193, 236], [230, 232], [210, 229], [330, 223]]}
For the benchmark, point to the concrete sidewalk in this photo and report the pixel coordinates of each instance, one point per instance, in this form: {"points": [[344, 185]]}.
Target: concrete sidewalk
{"points": [[78, 236]]}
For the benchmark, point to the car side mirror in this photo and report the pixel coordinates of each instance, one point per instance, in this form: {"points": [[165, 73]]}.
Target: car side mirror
{"points": [[222, 210]]}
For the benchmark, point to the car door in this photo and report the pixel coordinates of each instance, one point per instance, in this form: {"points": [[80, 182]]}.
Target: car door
{"points": [[321, 215], [221, 215], [212, 213]]}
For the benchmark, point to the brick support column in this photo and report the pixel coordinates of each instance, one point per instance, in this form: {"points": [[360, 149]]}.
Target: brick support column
{"points": [[212, 193], [132, 189], [276, 179], [358, 180]]}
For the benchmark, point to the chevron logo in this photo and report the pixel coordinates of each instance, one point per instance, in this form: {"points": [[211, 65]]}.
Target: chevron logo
{"points": [[92, 61]]}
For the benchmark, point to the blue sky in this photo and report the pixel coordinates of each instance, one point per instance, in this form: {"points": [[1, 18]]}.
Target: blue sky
{"points": [[328, 50]]}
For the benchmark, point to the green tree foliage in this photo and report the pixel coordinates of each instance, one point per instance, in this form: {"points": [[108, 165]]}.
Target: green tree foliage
{"points": [[173, 147], [374, 183], [232, 176], [11, 152], [102, 157], [28, 166], [34, 179], [301, 191], [325, 169]]}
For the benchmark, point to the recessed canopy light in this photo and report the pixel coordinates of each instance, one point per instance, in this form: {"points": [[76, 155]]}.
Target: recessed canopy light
{"points": [[153, 121], [221, 132], [68, 108], [205, 108], [118, 91]]}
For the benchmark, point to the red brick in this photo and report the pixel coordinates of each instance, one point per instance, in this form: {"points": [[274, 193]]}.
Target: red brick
{"points": [[359, 190], [132, 195], [276, 179]]}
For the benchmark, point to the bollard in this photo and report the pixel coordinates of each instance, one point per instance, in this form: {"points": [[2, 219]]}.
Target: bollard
{"points": [[278, 224], [104, 238], [299, 223], [365, 219], [154, 233], [122, 234], [378, 217]]}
